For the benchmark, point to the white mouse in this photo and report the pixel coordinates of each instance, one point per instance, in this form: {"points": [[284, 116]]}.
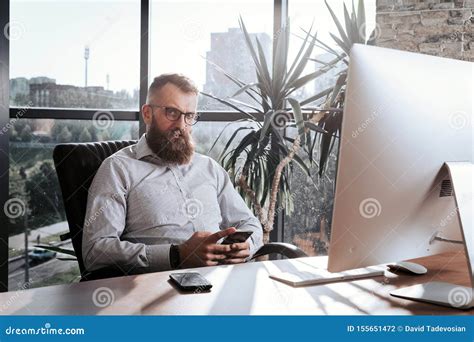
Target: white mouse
{"points": [[408, 267]]}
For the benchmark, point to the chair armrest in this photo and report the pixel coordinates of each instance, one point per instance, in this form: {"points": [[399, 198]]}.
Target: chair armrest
{"points": [[65, 236], [286, 249], [108, 272]]}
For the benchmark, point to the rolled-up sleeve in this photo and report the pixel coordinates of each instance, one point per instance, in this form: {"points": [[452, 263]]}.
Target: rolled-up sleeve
{"points": [[105, 221], [235, 212]]}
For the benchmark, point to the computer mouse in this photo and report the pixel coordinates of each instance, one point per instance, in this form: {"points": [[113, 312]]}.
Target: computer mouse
{"points": [[408, 267]]}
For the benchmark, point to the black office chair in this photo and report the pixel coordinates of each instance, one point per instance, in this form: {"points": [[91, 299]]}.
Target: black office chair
{"points": [[76, 166]]}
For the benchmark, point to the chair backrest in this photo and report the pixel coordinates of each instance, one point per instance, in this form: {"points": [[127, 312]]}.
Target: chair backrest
{"points": [[76, 166]]}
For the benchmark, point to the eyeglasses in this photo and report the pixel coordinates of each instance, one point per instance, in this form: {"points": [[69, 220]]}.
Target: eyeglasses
{"points": [[174, 114]]}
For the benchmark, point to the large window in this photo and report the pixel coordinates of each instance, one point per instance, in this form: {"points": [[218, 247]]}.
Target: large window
{"points": [[85, 57], [303, 15], [74, 53], [35, 204], [211, 137], [309, 225], [192, 37]]}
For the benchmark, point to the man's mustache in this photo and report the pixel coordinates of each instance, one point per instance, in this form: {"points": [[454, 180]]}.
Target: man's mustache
{"points": [[177, 133]]}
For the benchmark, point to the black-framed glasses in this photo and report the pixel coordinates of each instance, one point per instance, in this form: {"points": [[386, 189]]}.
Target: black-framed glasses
{"points": [[174, 114]]}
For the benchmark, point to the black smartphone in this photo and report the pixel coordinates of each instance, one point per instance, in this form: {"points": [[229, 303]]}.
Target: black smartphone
{"points": [[238, 236], [190, 281]]}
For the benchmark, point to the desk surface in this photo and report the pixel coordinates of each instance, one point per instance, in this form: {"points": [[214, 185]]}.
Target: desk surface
{"points": [[240, 290]]}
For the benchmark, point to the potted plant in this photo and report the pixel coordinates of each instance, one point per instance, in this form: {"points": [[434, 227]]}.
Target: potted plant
{"points": [[261, 163]]}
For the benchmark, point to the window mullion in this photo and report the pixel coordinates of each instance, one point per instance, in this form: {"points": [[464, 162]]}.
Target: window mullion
{"points": [[144, 57], [4, 142]]}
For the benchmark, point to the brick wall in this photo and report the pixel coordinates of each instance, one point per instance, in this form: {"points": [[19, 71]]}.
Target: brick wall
{"points": [[437, 27]]}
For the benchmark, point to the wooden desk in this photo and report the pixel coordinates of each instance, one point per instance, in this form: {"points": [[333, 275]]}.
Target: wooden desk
{"points": [[241, 290]]}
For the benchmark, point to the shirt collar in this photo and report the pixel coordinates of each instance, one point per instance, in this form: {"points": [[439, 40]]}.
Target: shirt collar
{"points": [[143, 150]]}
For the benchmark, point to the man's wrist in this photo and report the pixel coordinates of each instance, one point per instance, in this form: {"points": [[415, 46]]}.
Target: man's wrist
{"points": [[175, 257]]}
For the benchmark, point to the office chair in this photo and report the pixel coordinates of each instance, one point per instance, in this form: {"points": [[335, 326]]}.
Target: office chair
{"points": [[76, 165]]}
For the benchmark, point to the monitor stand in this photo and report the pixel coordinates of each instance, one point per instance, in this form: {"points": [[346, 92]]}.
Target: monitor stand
{"points": [[447, 294]]}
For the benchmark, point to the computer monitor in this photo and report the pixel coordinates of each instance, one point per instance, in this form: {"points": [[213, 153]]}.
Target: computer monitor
{"points": [[405, 116]]}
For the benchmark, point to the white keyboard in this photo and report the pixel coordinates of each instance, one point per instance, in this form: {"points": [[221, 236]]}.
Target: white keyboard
{"points": [[317, 276]]}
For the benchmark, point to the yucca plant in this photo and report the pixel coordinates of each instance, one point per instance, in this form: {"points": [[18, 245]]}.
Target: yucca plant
{"points": [[352, 32], [261, 162]]}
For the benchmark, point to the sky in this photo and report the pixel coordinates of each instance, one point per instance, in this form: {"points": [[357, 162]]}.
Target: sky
{"points": [[48, 37]]}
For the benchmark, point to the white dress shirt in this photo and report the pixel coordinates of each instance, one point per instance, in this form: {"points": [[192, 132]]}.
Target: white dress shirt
{"points": [[139, 205]]}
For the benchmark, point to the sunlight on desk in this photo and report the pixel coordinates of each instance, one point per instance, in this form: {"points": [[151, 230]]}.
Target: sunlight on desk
{"points": [[244, 289]]}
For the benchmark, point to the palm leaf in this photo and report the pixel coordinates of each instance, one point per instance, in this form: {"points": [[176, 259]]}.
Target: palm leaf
{"points": [[263, 70], [227, 125], [230, 105], [344, 46], [349, 28], [298, 117], [315, 128], [317, 96], [258, 110], [253, 54], [361, 19], [235, 80], [57, 249], [295, 61], [231, 139], [337, 22], [332, 124], [244, 89], [280, 58], [340, 82], [304, 60]]}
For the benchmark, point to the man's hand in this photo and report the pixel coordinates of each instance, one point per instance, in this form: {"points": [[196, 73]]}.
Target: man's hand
{"points": [[201, 249], [238, 253]]}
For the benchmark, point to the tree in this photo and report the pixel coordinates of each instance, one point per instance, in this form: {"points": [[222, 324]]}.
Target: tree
{"points": [[45, 201], [65, 135], [26, 135], [85, 136]]}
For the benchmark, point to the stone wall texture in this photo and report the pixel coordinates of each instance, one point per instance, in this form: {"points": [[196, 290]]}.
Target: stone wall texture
{"points": [[436, 27]]}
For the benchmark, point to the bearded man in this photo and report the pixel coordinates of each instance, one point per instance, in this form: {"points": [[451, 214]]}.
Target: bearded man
{"points": [[158, 205]]}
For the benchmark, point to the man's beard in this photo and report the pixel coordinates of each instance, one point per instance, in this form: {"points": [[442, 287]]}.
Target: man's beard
{"points": [[175, 146]]}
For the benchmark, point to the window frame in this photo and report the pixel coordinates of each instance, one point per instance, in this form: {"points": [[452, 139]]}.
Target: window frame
{"points": [[4, 141], [280, 12]]}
